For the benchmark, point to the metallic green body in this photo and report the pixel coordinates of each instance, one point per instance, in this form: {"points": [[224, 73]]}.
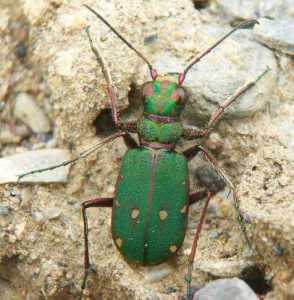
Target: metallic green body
{"points": [[149, 215], [162, 133], [150, 207]]}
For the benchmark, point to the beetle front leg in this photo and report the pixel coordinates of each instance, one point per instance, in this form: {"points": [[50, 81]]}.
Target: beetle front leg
{"points": [[231, 99], [193, 133], [98, 202]]}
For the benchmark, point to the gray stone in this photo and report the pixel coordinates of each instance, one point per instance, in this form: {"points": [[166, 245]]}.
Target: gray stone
{"points": [[276, 8], [226, 289], [14, 165], [52, 213], [240, 9], [27, 110], [237, 61], [4, 210], [276, 34], [286, 78], [38, 217], [156, 273]]}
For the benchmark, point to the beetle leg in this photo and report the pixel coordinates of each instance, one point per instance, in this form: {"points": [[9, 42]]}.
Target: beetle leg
{"points": [[192, 132], [213, 162], [194, 246], [190, 153], [81, 155], [196, 196], [98, 202], [239, 92], [130, 141]]}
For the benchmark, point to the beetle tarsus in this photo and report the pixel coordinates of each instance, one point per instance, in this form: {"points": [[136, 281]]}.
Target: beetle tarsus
{"points": [[189, 282]]}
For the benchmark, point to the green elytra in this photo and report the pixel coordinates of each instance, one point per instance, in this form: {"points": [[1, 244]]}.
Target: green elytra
{"points": [[150, 207]]}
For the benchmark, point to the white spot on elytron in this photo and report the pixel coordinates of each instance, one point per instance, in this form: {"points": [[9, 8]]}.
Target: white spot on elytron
{"points": [[117, 203], [183, 210], [146, 245], [119, 242], [163, 214], [135, 213], [173, 248]]}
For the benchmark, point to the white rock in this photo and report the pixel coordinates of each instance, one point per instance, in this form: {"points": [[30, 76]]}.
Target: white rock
{"points": [[51, 213], [226, 289], [12, 166], [276, 34], [27, 110], [72, 23], [64, 62], [156, 273]]}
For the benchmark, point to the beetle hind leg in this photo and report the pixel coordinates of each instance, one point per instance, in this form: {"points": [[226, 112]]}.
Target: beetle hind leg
{"points": [[98, 202], [196, 238]]}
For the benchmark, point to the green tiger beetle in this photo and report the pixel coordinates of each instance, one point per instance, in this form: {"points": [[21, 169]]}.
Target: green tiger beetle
{"points": [[152, 198]]}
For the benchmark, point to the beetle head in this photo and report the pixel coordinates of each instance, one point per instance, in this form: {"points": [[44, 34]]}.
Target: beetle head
{"points": [[164, 98]]}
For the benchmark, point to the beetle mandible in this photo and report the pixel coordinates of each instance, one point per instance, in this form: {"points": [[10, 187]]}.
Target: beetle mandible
{"points": [[152, 198]]}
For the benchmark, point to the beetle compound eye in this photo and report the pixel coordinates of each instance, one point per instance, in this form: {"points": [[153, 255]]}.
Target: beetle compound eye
{"points": [[147, 89], [180, 95]]}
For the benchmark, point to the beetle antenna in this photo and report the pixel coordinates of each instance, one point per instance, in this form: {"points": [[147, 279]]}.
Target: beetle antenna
{"points": [[153, 71], [245, 24], [82, 154]]}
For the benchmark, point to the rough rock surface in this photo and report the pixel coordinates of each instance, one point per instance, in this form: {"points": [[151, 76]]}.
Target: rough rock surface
{"points": [[45, 54], [226, 289], [252, 9], [14, 165], [276, 34]]}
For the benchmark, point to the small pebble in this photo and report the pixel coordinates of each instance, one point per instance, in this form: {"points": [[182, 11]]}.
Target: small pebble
{"points": [[38, 217], [21, 50], [4, 210], [11, 166], [51, 213], [2, 105], [27, 110], [11, 239], [214, 234], [156, 273], [150, 39], [19, 229], [226, 289]]}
